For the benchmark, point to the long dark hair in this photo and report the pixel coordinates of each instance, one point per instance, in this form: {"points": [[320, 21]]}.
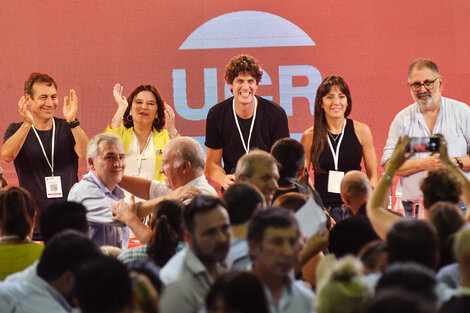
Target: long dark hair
{"points": [[167, 225], [320, 127], [158, 122], [17, 210]]}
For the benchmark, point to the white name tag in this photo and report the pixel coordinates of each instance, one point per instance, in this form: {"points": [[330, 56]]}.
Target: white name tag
{"points": [[53, 187], [334, 181]]}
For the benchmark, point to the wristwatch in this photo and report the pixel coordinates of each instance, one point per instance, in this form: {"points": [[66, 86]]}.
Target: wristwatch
{"points": [[74, 123], [459, 163]]}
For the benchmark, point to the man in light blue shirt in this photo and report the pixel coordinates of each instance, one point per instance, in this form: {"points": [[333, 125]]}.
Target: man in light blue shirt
{"points": [[430, 114], [273, 240], [51, 289], [99, 189]]}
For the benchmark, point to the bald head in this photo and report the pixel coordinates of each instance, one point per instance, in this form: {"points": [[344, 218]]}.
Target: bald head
{"points": [[355, 189], [186, 149]]}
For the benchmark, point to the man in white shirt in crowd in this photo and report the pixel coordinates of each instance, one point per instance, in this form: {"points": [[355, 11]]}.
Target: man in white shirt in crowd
{"points": [[189, 274], [183, 164]]}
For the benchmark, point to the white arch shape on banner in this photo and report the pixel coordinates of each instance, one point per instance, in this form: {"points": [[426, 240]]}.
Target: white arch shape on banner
{"points": [[246, 29]]}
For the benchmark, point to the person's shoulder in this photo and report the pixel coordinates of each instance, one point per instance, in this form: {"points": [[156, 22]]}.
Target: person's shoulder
{"points": [[301, 288], [307, 134], [270, 105], [84, 188], [173, 269], [222, 106], [457, 104]]}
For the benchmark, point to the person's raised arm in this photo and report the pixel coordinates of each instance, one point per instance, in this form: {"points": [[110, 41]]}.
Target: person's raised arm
{"points": [[12, 146], [70, 114], [381, 219], [214, 168], [170, 122], [122, 104]]}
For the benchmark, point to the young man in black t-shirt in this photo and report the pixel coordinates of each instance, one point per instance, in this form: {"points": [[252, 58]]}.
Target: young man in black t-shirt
{"points": [[242, 122]]}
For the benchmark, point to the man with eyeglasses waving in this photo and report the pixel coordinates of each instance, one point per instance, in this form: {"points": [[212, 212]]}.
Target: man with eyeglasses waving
{"points": [[430, 114]]}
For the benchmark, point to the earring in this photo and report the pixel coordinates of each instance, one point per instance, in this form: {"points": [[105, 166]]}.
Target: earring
{"points": [[129, 118], [157, 120]]}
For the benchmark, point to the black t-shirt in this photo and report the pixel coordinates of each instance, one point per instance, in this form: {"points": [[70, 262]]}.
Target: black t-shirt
{"points": [[222, 132], [32, 168], [350, 156]]}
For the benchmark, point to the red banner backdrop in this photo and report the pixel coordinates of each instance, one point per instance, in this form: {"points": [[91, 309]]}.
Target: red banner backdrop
{"points": [[182, 47]]}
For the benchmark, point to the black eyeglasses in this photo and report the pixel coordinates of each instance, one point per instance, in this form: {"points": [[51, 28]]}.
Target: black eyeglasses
{"points": [[428, 84]]}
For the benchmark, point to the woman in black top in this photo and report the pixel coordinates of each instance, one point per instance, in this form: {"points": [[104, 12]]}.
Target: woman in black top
{"points": [[336, 145]]}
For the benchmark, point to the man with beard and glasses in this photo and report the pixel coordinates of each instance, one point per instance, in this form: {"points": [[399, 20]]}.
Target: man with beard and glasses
{"points": [[189, 274], [52, 289], [430, 114]]}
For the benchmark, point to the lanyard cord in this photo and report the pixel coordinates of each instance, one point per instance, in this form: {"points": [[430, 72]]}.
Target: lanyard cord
{"points": [[245, 146], [333, 152], [42, 147]]}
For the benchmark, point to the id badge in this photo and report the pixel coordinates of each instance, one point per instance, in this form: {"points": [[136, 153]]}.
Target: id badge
{"points": [[334, 181], [53, 187]]}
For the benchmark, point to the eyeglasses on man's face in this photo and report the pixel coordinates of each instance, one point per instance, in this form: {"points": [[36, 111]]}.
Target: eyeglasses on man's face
{"points": [[428, 84]]}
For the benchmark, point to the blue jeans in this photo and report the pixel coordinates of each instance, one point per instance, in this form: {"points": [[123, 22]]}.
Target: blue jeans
{"points": [[410, 208]]}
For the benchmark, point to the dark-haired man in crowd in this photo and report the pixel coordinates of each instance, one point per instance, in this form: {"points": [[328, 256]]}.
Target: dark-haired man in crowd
{"points": [[189, 274], [52, 289], [242, 201], [273, 239], [45, 149], [241, 122], [430, 114], [290, 154]]}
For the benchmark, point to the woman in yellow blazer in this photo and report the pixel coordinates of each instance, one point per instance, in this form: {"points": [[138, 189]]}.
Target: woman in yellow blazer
{"points": [[145, 123]]}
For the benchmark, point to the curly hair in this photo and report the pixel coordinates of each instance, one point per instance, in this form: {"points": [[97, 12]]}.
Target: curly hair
{"points": [[440, 185], [37, 78], [242, 64]]}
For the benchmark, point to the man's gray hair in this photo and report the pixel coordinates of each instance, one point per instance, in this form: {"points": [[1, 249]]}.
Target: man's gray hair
{"points": [[92, 147], [423, 63], [187, 149], [356, 185], [247, 164]]}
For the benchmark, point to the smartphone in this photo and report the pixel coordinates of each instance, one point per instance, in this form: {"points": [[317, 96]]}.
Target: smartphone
{"points": [[424, 144]]}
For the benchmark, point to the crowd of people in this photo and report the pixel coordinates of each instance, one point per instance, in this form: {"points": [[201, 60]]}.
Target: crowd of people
{"points": [[272, 240]]}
